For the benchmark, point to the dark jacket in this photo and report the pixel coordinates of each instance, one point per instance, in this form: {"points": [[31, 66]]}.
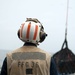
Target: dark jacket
{"points": [[53, 70]]}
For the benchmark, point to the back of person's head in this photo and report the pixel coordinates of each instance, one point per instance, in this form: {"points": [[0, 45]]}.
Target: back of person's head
{"points": [[32, 31]]}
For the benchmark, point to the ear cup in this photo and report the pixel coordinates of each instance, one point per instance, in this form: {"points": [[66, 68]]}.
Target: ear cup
{"points": [[42, 36], [18, 33]]}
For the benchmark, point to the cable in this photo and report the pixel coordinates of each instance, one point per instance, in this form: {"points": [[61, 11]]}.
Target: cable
{"points": [[65, 41], [67, 19]]}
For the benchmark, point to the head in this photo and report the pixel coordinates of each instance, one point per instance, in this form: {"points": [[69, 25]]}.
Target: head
{"points": [[32, 31]]}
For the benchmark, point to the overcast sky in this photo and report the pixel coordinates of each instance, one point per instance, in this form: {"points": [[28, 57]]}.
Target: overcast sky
{"points": [[52, 14]]}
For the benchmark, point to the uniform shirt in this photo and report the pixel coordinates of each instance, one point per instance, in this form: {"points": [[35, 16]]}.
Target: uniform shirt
{"points": [[53, 70]]}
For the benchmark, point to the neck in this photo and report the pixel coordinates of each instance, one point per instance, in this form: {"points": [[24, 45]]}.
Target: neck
{"points": [[29, 44]]}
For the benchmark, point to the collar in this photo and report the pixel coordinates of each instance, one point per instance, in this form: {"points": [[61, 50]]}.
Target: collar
{"points": [[29, 44]]}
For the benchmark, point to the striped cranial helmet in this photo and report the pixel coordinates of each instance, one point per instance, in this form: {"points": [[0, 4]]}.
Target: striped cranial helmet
{"points": [[32, 31]]}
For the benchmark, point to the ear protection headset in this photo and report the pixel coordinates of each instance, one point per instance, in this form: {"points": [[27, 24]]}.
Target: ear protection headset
{"points": [[32, 31]]}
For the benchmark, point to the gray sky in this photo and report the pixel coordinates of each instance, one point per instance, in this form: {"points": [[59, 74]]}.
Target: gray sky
{"points": [[52, 14]]}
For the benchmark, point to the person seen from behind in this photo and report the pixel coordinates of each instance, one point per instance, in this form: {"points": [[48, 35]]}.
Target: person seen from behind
{"points": [[29, 59]]}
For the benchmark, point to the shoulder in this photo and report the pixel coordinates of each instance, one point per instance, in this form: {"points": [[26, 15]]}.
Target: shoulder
{"points": [[44, 51], [15, 50], [4, 67], [47, 54], [53, 68]]}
